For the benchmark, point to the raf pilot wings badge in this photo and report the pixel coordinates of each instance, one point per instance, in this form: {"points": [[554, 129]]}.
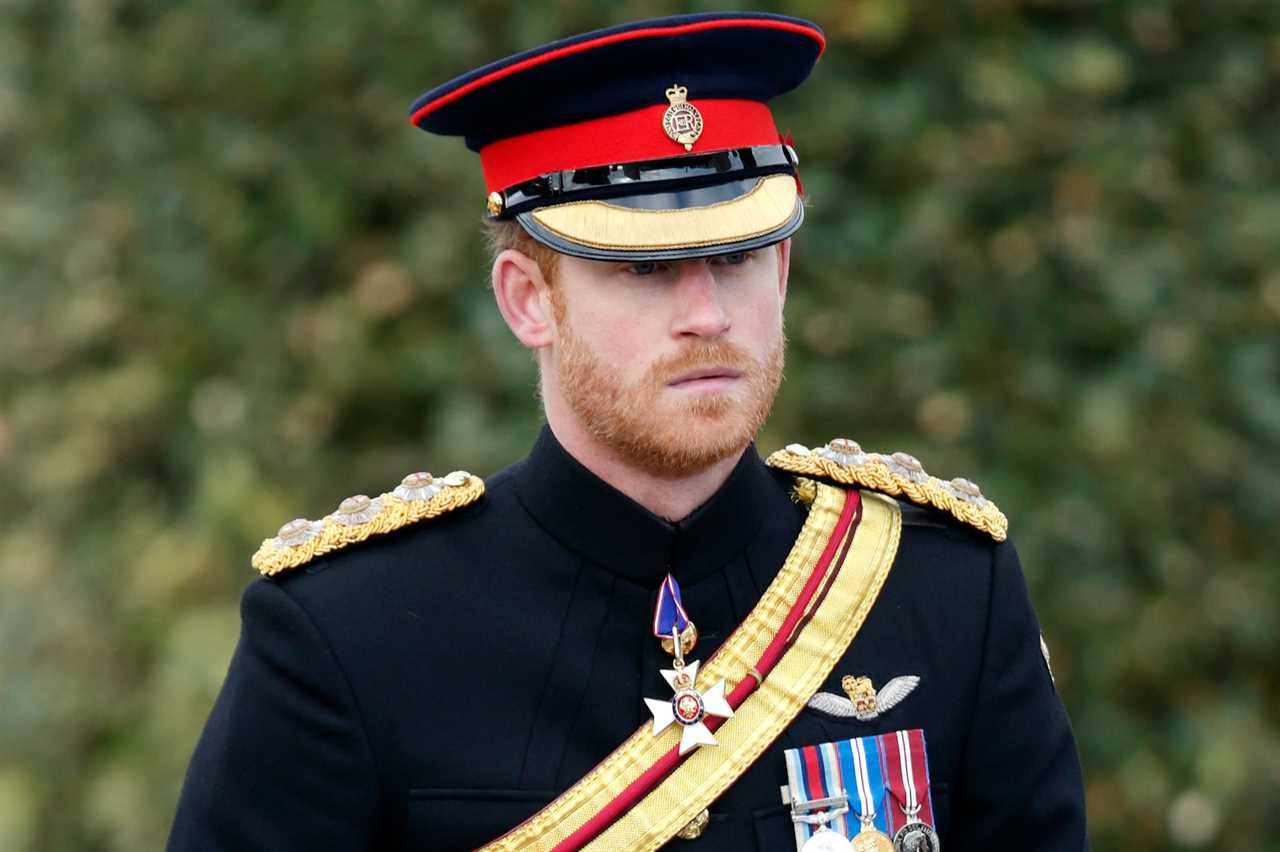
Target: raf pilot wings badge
{"points": [[861, 701]]}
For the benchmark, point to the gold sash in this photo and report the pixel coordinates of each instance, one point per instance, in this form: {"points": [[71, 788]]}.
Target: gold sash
{"points": [[706, 773]]}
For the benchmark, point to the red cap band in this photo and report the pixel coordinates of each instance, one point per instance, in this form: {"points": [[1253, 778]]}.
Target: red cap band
{"points": [[626, 138]]}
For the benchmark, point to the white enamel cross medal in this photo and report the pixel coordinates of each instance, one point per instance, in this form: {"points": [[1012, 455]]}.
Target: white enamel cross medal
{"points": [[688, 706]]}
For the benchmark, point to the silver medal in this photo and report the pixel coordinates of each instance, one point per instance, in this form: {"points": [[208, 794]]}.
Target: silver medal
{"points": [[916, 837], [819, 812], [826, 840]]}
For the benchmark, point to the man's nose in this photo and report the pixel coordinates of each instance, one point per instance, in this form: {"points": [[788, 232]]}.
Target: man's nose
{"points": [[700, 312]]}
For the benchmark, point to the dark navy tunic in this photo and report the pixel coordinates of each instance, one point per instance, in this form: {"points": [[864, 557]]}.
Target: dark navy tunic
{"points": [[432, 687]]}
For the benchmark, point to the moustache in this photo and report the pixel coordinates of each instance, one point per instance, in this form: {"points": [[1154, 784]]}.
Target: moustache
{"points": [[699, 355]]}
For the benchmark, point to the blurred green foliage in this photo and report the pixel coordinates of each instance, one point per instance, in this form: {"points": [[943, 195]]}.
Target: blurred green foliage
{"points": [[1043, 251]]}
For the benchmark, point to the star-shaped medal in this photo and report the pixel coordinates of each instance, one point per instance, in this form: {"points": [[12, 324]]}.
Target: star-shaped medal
{"points": [[689, 707]]}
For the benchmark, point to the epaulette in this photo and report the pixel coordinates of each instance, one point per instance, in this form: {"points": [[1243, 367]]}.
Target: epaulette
{"points": [[418, 497], [899, 475]]}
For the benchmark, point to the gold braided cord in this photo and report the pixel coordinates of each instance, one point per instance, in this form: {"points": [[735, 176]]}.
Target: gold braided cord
{"points": [[733, 662], [708, 772], [876, 474], [805, 490], [275, 556]]}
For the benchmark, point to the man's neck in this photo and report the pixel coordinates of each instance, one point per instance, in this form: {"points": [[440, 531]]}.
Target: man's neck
{"points": [[670, 497]]}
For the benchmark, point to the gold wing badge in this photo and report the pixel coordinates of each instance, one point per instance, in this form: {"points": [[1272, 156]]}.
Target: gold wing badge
{"points": [[861, 700]]}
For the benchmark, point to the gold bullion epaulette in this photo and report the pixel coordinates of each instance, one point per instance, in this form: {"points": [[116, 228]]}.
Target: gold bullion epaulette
{"points": [[899, 475], [418, 497]]}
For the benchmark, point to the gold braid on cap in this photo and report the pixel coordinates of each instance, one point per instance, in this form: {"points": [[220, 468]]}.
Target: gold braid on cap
{"points": [[418, 497], [899, 474]]}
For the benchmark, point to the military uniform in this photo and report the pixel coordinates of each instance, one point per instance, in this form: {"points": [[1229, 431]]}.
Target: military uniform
{"points": [[432, 687], [430, 668]]}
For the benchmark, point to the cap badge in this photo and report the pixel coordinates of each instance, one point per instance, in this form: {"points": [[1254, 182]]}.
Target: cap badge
{"points": [[681, 121]]}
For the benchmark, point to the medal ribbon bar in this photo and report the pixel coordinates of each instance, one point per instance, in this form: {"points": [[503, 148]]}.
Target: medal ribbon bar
{"points": [[669, 614], [848, 768], [907, 776], [814, 774], [865, 755]]}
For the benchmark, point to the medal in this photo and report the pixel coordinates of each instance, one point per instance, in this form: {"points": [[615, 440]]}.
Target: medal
{"points": [[869, 838], [915, 836], [826, 840], [689, 706], [889, 774], [908, 778], [817, 776], [813, 816]]}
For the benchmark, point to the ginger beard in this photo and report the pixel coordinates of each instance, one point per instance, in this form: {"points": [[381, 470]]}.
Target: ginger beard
{"points": [[656, 428]]}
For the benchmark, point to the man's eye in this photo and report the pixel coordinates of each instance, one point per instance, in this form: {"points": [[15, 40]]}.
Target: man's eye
{"points": [[644, 267], [733, 259]]}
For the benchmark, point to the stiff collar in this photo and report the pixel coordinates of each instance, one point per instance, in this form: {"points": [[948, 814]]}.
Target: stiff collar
{"points": [[593, 518]]}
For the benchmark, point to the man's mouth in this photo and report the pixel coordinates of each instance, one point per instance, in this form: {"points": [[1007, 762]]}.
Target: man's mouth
{"points": [[706, 378]]}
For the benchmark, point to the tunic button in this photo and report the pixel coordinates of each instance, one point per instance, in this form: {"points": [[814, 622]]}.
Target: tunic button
{"points": [[696, 826]]}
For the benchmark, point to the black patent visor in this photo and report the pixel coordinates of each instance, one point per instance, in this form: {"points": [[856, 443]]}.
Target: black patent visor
{"points": [[647, 177]]}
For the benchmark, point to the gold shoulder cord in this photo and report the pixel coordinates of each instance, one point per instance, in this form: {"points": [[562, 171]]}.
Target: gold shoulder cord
{"points": [[418, 497], [900, 475]]}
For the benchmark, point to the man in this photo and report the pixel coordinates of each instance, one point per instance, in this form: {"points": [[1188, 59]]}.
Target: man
{"points": [[642, 633]]}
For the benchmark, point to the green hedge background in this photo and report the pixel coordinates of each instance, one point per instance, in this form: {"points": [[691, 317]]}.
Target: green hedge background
{"points": [[1043, 252]]}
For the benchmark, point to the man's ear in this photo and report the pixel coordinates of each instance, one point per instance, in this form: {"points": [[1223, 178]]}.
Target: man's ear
{"points": [[521, 293]]}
